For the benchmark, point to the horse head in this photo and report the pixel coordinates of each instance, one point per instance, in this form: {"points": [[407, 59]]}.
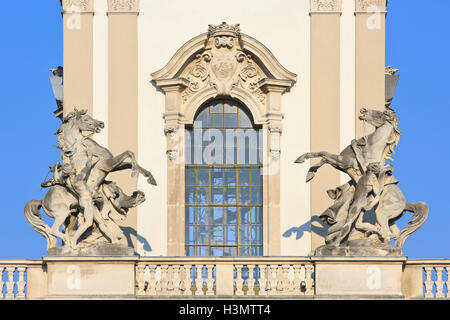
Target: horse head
{"points": [[83, 122], [378, 118]]}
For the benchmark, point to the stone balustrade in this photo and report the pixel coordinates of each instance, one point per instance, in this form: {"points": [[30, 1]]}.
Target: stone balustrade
{"points": [[13, 278], [262, 277], [433, 276], [218, 277]]}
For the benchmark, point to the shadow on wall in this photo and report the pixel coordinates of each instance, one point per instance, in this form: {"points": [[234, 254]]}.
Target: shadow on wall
{"points": [[128, 231], [319, 228]]}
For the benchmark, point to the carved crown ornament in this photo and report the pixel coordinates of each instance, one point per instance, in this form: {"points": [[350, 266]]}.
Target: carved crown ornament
{"points": [[80, 6], [370, 6], [123, 6], [222, 63], [326, 6]]}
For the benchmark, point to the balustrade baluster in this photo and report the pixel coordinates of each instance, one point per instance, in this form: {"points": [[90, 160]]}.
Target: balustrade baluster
{"points": [[263, 280], [10, 283], [164, 279], [186, 280], [296, 282], [152, 283], [447, 282], [239, 280], [251, 280], [140, 282], [176, 280], [199, 280], [21, 283], [439, 282], [273, 280], [210, 280], [428, 282], [309, 279], [1, 282]]}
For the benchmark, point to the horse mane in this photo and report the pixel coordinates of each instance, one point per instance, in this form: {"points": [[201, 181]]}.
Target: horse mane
{"points": [[394, 138]]}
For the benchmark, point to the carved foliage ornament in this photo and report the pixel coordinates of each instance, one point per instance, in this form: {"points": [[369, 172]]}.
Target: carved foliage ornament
{"points": [[326, 5], [223, 65], [78, 5], [123, 5], [370, 5]]}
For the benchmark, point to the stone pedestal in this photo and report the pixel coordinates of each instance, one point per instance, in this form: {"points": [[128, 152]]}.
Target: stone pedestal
{"points": [[359, 278], [96, 250], [90, 277]]}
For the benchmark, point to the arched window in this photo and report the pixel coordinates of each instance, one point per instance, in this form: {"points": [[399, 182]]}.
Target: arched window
{"points": [[223, 182]]}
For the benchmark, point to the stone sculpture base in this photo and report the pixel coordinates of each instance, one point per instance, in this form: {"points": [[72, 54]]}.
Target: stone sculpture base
{"points": [[359, 278], [358, 248], [97, 250]]}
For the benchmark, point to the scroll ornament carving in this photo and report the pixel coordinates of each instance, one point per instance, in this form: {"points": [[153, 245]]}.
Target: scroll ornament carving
{"points": [[370, 5], [79, 5], [123, 5], [325, 5], [223, 66]]}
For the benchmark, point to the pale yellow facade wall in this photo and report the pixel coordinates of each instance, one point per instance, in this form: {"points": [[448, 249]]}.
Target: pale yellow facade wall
{"points": [[161, 35], [123, 49]]}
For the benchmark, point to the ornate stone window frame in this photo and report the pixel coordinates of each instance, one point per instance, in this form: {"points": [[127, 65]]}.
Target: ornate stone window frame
{"points": [[223, 63]]}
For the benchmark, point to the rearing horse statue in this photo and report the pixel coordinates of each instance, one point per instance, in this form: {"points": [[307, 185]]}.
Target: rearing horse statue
{"points": [[87, 165], [354, 159]]}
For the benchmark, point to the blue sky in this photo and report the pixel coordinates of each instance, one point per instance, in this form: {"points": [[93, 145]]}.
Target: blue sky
{"points": [[417, 43]]}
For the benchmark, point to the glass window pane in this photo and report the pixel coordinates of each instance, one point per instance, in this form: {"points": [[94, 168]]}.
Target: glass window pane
{"points": [[245, 215], [244, 120], [256, 177], [217, 120], [216, 234], [217, 251], [203, 235], [257, 195], [190, 176], [229, 107], [231, 215], [202, 251], [203, 215], [190, 251], [230, 177], [245, 235], [190, 236], [230, 120], [190, 215], [190, 195], [198, 137], [217, 107], [244, 176], [230, 252], [216, 215], [198, 155], [202, 119], [257, 251], [230, 195], [244, 251], [217, 195], [257, 215], [217, 177], [203, 176], [244, 195], [202, 195], [256, 235], [231, 235]]}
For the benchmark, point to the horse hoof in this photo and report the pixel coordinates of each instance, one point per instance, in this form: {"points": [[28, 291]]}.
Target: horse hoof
{"points": [[310, 176], [300, 160]]}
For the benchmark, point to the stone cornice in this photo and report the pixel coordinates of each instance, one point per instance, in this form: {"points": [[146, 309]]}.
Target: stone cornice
{"points": [[77, 6], [326, 6], [370, 6], [123, 6]]}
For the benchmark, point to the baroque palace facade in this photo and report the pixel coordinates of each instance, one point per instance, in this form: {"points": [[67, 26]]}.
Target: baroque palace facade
{"points": [[218, 112]]}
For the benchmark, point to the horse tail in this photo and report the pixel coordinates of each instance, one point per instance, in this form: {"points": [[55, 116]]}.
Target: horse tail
{"points": [[34, 218], [420, 210]]}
